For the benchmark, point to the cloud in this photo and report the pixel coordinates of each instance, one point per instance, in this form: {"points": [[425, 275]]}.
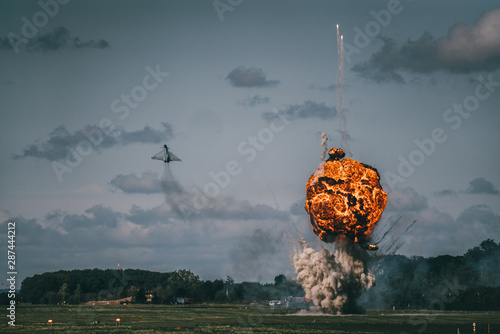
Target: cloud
{"points": [[95, 217], [309, 109], [481, 186], [406, 199], [250, 77], [465, 49], [254, 100], [477, 45], [147, 135], [252, 255], [446, 192], [154, 238], [61, 141], [476, 186], [322, 88], [147, 183], [226, 209], [411, 227], [230, 208], [57, 40], [480, 214]]}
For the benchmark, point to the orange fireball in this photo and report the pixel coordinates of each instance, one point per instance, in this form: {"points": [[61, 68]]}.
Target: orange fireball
{"points": [[344, 197]]}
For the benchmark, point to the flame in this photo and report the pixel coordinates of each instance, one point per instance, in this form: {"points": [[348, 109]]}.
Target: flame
{"points": [[344, 197]]}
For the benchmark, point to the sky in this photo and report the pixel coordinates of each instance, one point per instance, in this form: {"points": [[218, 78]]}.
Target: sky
{"points": [[241, 91]]}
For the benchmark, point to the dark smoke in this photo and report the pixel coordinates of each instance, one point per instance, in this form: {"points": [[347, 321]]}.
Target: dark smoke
{"points": [[417, 282]]}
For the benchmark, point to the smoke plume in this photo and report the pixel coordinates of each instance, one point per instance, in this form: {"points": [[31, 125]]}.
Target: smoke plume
{"points": [[324, 147], [333, 281]]}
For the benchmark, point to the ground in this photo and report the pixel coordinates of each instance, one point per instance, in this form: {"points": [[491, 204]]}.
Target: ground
{"points": [[239, 319]]}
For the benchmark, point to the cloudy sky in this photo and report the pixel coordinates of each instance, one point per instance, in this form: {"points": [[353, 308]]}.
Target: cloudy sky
{"points": [[241, 91]]}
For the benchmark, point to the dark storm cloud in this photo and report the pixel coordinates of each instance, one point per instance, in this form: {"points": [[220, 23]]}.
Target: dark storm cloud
{"points": [[309, 109], [481, 186], [61, 141], [56, 40], [250, 77], [465, 49], [147, 183], [32, 232], [254, 100]]}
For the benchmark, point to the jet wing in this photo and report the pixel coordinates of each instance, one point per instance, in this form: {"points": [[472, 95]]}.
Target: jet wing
{"points": [[173, 157], [159, 156]]}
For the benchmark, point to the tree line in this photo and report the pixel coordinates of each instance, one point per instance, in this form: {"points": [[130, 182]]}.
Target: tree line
{"points": [[79, 286], [470, 281]]}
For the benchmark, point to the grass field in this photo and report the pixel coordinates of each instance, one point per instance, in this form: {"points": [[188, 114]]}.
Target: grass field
{"points": [[237, 319]]}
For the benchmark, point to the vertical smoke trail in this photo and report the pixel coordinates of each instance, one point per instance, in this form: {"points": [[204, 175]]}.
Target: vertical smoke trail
{"points": [[340, 85], [175, 195], [324, 147], [333, 281]]}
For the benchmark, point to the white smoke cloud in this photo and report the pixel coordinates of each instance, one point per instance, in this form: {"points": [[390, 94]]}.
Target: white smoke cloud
{"points": [[472, 43], [333, 281]]}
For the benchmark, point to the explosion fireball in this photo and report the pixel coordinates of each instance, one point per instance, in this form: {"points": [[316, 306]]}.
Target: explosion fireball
{"points": [[344, 197], [345, 201]]}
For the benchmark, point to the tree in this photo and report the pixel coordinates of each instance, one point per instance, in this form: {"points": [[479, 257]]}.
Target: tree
{"points": [[63, 293], [160, 294], [140, 296], [4, 298], [77, 295], [279, 280], [488, 245]]}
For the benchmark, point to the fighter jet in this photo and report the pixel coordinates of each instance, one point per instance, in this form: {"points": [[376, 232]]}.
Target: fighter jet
{"points": [[165, 156]]}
